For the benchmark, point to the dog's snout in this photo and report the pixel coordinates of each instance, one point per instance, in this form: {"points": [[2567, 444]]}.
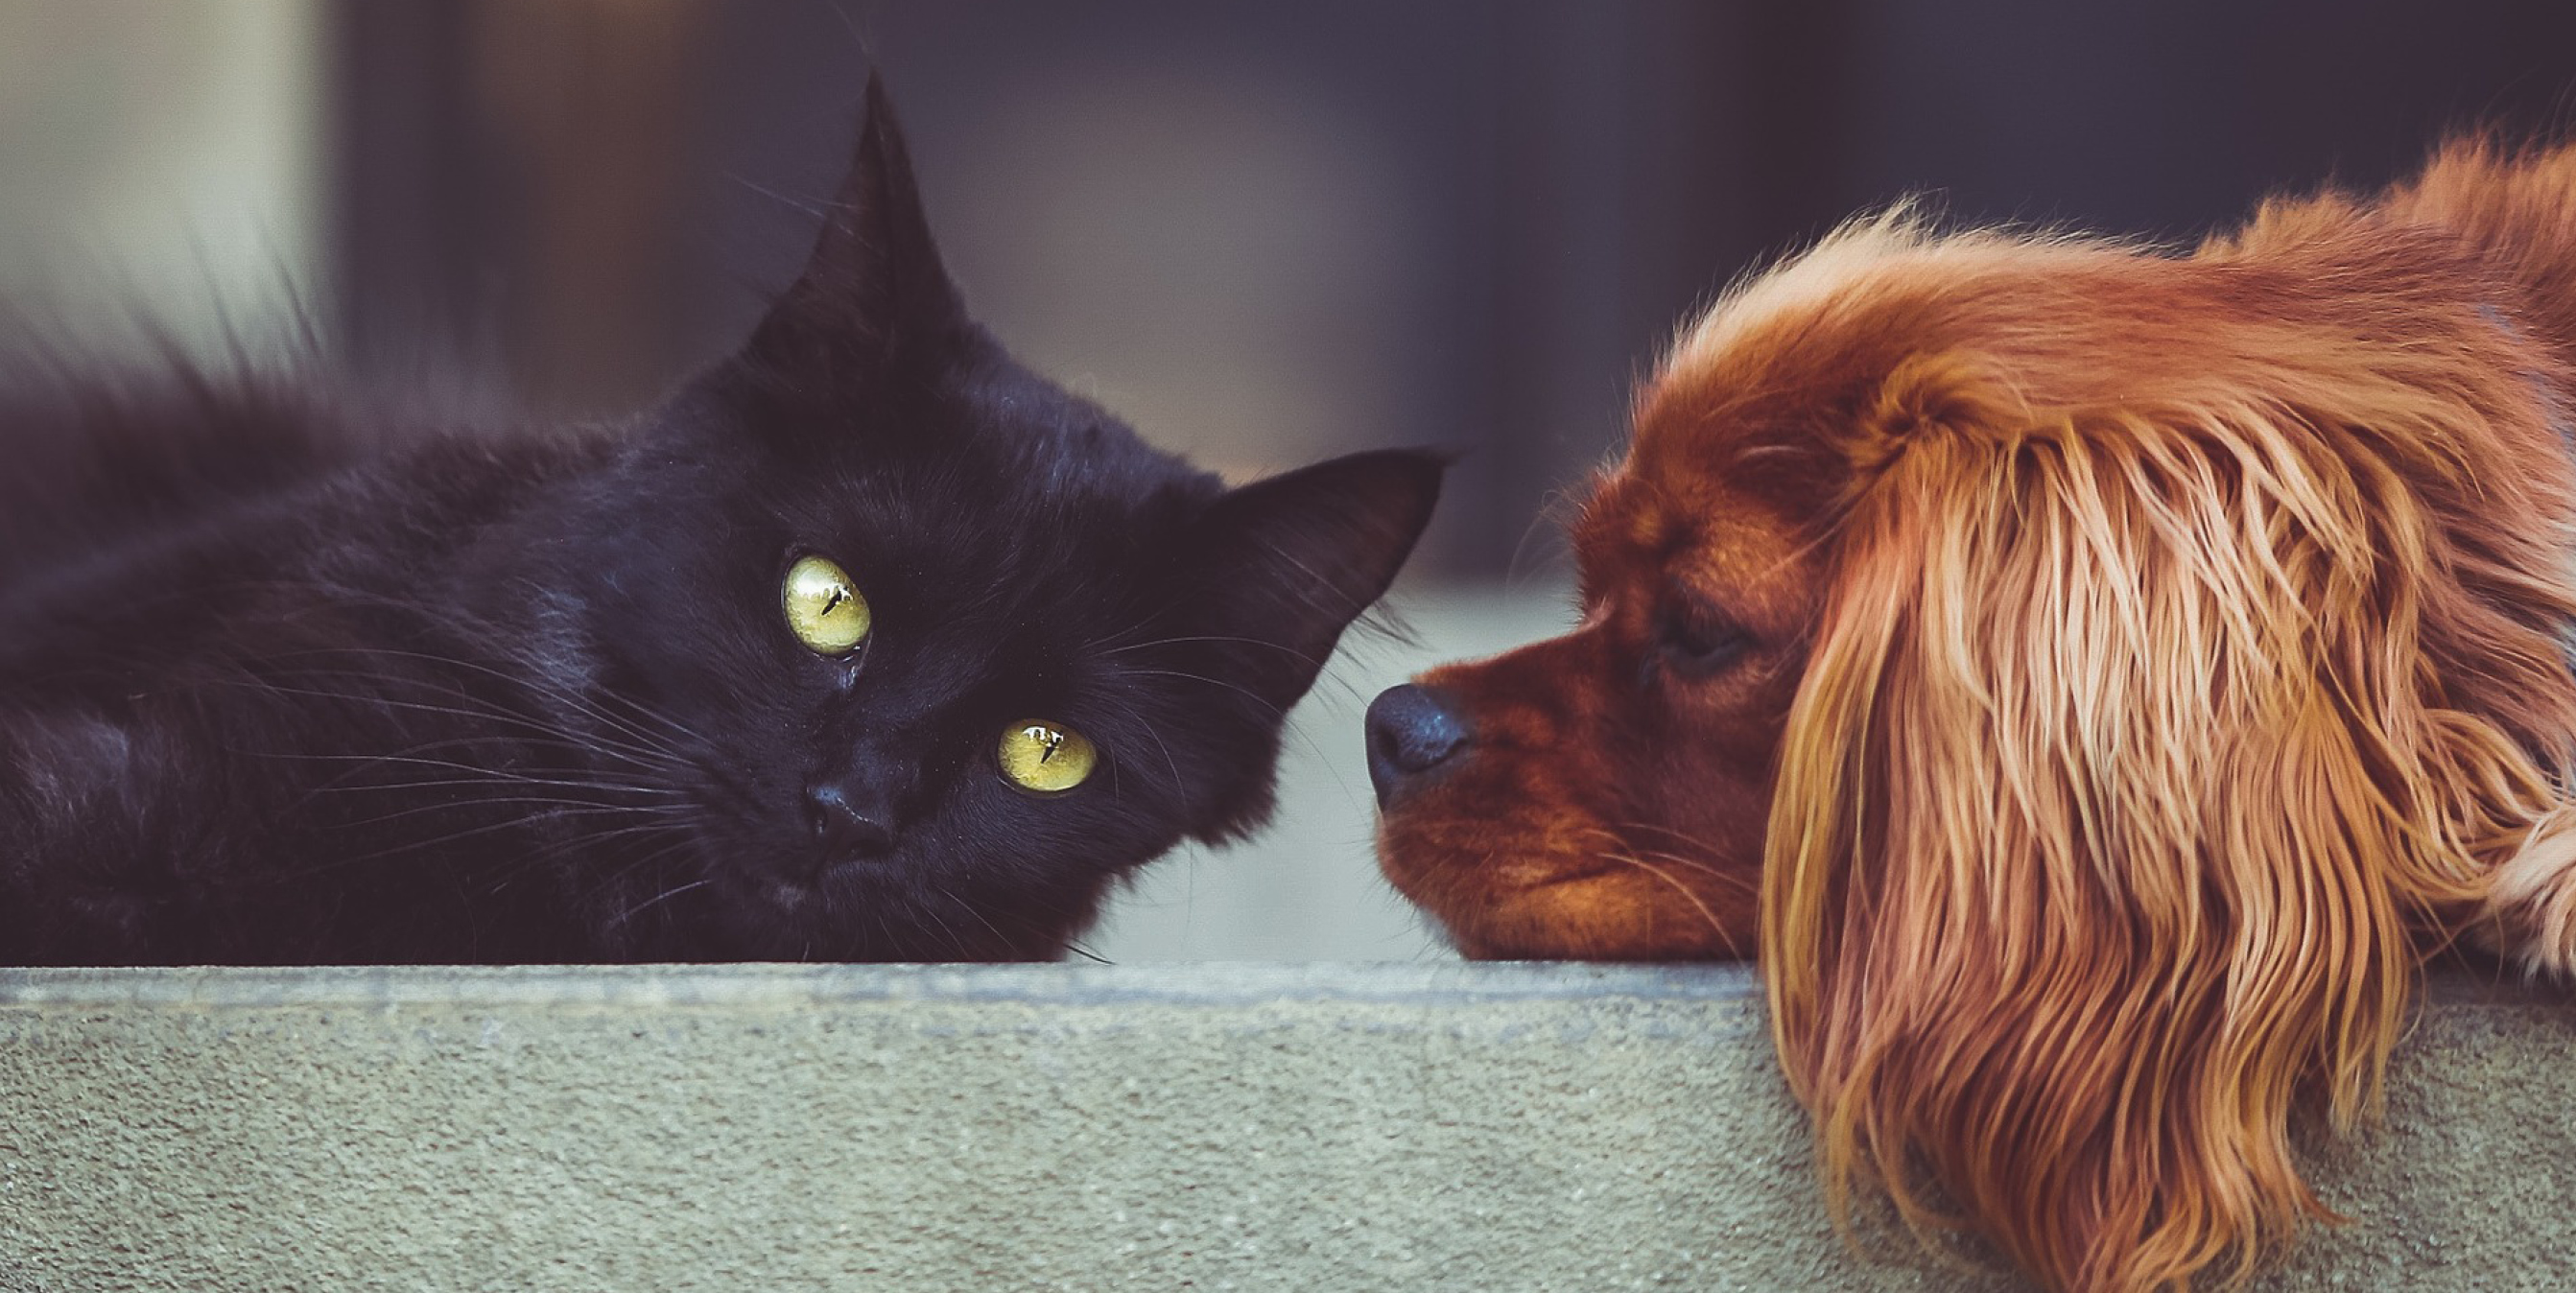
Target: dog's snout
{"points": [[1411, 730]]}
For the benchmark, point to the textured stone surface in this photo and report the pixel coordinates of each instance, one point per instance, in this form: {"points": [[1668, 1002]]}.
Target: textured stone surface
{"points": [[1211, 1127]]}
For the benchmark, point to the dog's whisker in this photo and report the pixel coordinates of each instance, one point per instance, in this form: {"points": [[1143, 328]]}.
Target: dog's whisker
{"points": [[1618, 849], [1715, 925], [1748, 883], [1681, 837]]}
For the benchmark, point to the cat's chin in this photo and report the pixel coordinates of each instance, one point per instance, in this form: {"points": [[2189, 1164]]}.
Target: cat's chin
{"points": [[756, 917], [771, 895], [787, 895], [773, 884]]}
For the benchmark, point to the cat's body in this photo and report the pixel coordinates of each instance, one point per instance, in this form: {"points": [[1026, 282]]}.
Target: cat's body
{"points": [[270, 694]]}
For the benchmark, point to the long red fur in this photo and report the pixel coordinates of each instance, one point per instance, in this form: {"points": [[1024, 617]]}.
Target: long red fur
{"points": [[2192, 665]]}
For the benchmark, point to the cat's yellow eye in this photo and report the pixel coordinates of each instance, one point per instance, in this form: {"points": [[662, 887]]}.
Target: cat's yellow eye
{"points": [[1046, 757], [824, 607]]}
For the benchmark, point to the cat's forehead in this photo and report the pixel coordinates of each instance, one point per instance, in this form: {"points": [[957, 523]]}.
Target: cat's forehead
{"points": [[1064, 442], [999, 534], [983, 504]]}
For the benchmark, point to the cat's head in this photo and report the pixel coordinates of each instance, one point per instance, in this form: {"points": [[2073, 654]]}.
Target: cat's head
{"points": [[940, 649]]}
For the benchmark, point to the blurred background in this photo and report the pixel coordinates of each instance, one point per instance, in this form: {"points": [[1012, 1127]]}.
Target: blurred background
{"points": [[1263, 232]]}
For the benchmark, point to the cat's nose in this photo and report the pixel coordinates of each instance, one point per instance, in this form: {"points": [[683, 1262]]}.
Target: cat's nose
{"points": [[849, 824], [1411, 730]]}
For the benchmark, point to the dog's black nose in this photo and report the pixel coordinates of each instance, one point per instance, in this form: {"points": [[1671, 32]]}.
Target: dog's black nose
{"points": [[1410, 732]]}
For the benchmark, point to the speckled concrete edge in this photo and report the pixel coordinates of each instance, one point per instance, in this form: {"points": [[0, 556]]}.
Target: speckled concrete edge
{"points": [[1193, 984], [1215, 983]]}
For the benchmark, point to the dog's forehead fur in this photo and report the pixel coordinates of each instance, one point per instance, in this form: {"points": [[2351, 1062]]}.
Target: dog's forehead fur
{"points": [[1793, 359], [1643, 536], [1743, 440], [1830, 324]]}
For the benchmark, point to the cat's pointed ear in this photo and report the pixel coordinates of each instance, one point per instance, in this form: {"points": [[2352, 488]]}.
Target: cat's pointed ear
{"points": [[873, 293], [1284, 565]]}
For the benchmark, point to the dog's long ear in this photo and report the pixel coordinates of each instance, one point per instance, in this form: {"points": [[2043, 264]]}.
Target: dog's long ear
{"points": [[2139, 749]]}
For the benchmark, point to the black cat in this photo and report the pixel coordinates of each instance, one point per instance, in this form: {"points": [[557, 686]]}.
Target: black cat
{"points": [[870, 644]]}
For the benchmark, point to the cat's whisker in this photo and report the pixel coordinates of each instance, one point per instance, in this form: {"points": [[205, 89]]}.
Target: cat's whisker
{"points": [[491, 798], [650, 858], [987, 921], [1292, 653], [1238, 688], [1151, 730], [437, 842], [537, 679], [640, 908], [519, 739], [1276, 712], [592, 701], [815, 210], [533, 682], [507, 783], [484, 715], [1205, 637], [481, 772], [647, 713], [555, 808], [956, 941], [355, 779], [348, 783], [362, 764], [533, 732], [501, 877]]}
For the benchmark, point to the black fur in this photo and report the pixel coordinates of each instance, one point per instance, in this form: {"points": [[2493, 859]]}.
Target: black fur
{"points": [[272, 694]]}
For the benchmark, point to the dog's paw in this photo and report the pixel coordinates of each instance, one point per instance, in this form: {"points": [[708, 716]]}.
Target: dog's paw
{"points": [[2531, 899]]}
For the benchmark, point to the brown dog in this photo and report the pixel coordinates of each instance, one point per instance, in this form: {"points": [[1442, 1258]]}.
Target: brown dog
{"points": [[2091, 679]]}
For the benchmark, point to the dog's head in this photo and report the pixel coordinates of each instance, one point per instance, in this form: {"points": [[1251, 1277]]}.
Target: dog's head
{"points": [[2087, 677]]}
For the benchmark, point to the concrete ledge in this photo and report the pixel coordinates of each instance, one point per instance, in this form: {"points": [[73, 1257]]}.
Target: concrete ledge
{"points": [[1252, 1127]]}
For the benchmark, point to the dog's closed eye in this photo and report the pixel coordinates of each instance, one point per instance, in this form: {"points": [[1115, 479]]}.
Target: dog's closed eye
{"points": [[1694, 639]]}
